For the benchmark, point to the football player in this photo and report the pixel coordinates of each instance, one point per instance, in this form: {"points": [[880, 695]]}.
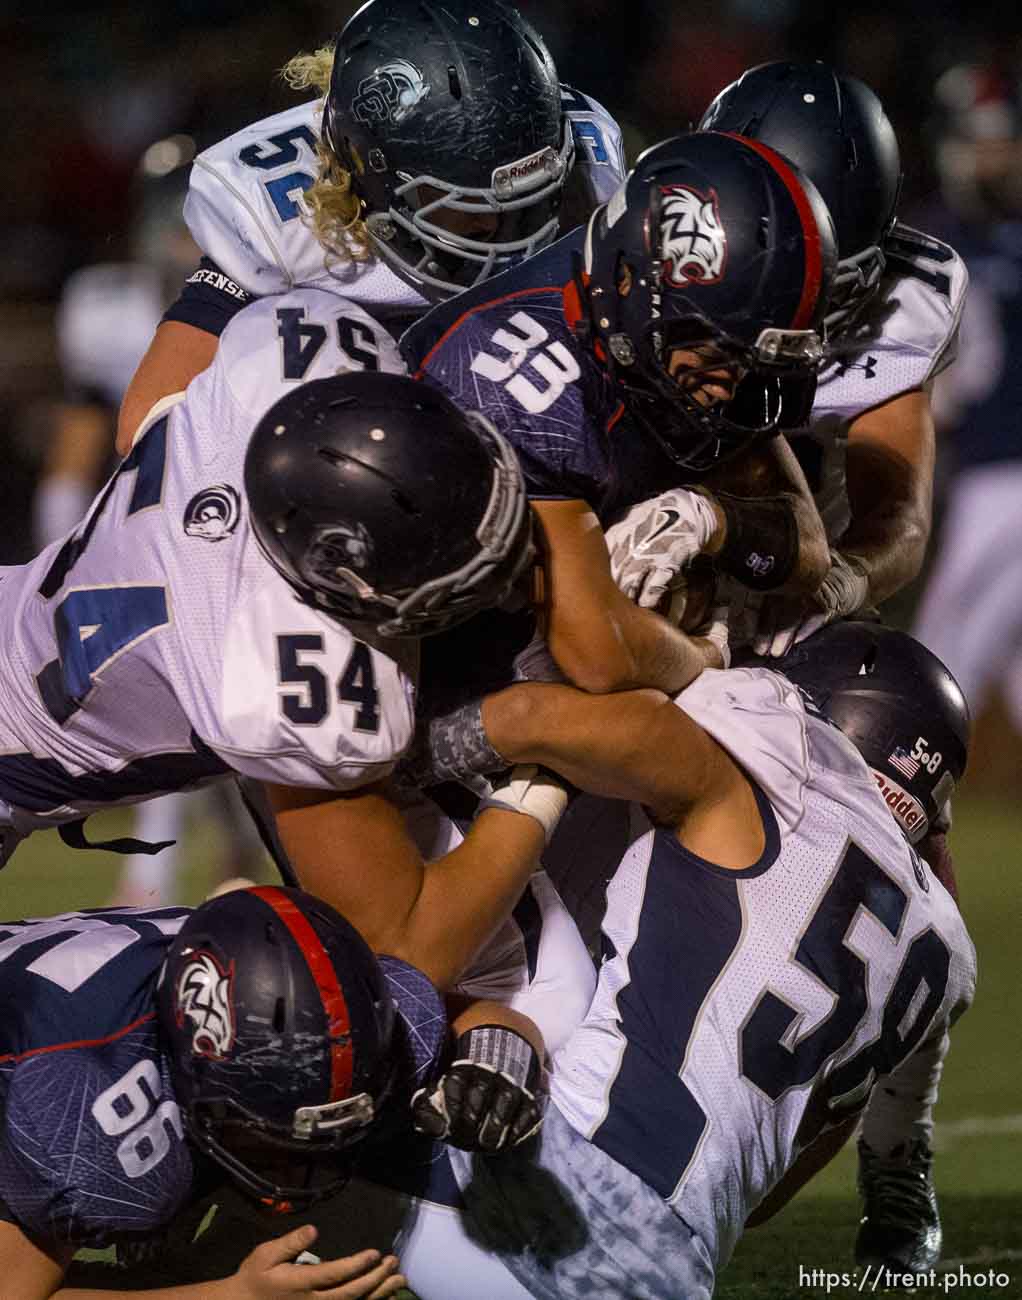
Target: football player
{"points": [[868, 444], [772, 944], [676, 333], [252, 606], [436, 154], [150, 1057]]}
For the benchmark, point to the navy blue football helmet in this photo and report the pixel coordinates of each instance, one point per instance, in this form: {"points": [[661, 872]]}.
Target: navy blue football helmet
{"points": [[898, 705], [834, 128], [381, 501], [714, 243], [280, 1031], [447, 116]]}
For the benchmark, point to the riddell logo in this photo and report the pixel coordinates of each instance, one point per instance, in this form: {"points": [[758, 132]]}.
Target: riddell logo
{"points": [[908, 812]]}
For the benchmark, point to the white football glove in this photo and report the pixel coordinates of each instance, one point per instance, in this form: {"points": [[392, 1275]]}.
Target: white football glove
{"points": [[533, 791], [786, 622], [655, 541]]}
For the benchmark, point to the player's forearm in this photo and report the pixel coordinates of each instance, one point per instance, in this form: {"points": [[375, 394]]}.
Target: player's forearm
{"points": [[467, 894], [771, 472], [634, 648], [635, 745], [481, 1011], [888, 541], [889, 476]]}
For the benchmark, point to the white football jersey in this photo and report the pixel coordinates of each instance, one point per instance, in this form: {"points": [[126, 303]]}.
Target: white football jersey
{"points": [[105, 320], [795, 983], [907, 337], [156, 646], [245, 210]]}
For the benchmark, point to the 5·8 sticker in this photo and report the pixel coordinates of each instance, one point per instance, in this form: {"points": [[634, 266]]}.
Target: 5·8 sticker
{"points": [[920, 753]]}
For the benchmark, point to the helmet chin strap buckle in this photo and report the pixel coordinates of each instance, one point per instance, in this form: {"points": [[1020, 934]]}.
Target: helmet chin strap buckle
{"points": [[318, 1121], [622, 349]]}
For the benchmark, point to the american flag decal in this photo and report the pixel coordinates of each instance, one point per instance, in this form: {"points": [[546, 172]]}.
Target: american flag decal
{"points": [[904, 762]]}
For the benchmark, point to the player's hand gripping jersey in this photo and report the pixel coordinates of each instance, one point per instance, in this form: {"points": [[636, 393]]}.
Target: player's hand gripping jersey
{"points": [[905, 338], [244, 206], [156, 647], [798, 981]]}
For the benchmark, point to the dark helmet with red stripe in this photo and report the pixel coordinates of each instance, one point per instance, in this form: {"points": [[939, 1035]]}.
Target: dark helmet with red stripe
{"points": [[835, 128], [280, 1031], [719, 248], [898, 705]]}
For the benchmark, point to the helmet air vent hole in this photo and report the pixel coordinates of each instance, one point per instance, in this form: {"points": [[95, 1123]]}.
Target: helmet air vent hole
{"points": [[453, 84], [404, 502], [279, 1017], [869, 662], [271, 933]]}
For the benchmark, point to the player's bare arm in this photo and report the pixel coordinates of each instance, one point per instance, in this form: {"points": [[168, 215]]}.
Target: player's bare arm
{"points": [[176, 355], [353, 850], [639, 746], [770, 472], [599, 638], [890, 491]]}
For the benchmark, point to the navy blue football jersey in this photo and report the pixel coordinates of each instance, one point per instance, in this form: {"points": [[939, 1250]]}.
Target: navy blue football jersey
{"points": [[93, 1146], [509, 348], [93, 1149]]}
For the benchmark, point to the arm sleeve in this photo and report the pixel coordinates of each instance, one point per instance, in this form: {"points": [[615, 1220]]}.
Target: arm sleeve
{"points": [[209, 299]]}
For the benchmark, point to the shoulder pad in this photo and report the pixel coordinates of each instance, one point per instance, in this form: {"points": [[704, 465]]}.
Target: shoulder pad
{"points": [[553, 268], [244, 202], [276, 343], [599, 148], [926, 285], [303, 701]]}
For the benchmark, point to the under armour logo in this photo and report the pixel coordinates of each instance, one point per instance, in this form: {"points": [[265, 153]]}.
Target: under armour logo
{"points": [[869, 366]]}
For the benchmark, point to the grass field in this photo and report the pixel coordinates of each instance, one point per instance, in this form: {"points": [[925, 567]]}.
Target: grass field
{"points": [[979, 1131]]}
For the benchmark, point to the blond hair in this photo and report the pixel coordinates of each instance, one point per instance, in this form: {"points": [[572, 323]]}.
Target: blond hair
{"points": [[334, 210]]}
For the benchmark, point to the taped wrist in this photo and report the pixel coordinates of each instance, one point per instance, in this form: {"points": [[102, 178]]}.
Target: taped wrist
{"points": [[498, 1048], [761, 542]]}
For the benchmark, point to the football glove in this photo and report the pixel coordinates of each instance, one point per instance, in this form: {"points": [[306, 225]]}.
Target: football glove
{"points": [[493, 1096], [656, 540], [786, 622]]}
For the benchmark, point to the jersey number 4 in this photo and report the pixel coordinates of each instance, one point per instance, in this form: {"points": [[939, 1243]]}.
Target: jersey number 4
{"points": [[93, 625]]}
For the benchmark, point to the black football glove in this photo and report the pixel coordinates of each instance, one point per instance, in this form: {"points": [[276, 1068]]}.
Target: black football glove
{"points": [[491, 1098]]}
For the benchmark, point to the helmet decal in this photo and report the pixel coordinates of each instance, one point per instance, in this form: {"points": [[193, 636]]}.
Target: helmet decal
{"points": [[907, 811], [390, 93], [693, 243], [337, 554], [203, 996], [213, 513]]}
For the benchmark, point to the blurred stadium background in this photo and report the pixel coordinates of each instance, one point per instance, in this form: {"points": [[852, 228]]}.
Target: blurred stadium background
{"points": [[89, 87]]}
